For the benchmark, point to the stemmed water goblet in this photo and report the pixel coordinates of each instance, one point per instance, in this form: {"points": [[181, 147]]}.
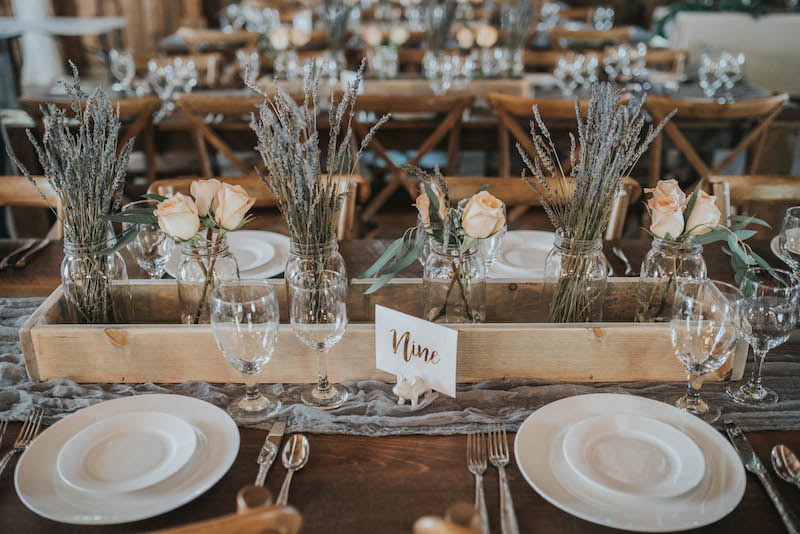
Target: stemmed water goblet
{"points": [[704, 330], [122, 69], [244, 320], [318, 310], [709, 75], [151, 248], [770, 300], [789, 239]]}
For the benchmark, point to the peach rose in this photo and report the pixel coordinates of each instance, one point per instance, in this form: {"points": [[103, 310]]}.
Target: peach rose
{"points": [[399, 35], [667, 189], [178, 217], [667, 215], [373, 36], [705, 214], [279, 38], [486, 36], [423, 206], [465, 38], [230, 206], [203, 192], [484, 215]]}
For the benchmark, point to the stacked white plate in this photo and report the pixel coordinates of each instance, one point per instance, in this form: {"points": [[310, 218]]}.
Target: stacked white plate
{"points": [[628, 462], [523, 254], [259, 254], [126, 459]]}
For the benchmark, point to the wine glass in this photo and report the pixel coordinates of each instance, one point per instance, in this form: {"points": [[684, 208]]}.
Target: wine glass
{"points": [[704, 330], [789, 239], [244, 320], [318, 309], [770, 299], [709, 75], [122, 68], [151, 248]]}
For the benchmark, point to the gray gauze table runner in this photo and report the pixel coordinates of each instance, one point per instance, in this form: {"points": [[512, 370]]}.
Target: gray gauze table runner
{"points": [[373, 410]]}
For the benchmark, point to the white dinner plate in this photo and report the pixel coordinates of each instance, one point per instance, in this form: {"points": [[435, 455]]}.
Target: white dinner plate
{"points": [[259, 254], [126, 452], [634, 455], [539, 453], [775, 246], [41, 489], [523, 254]]}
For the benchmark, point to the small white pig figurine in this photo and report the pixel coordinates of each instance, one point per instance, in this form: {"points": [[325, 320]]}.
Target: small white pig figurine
{"points": [[411, 390]]}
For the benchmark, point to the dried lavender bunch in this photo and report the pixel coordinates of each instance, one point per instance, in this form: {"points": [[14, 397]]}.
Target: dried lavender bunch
{"points": [[335, 16], [288, 142], [440, 16], [88, 176], [518, 23], [579, 205]]}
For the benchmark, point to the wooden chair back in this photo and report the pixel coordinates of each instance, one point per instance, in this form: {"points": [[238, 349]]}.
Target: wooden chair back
{"points": [[510, 110], [673, 61], [18, 191], [136, 112], [564, 37], [515, 194], [764, 110], [201, 39], [452, 107], [734, 191], [581, 13], [348, 216], [208, 65]]}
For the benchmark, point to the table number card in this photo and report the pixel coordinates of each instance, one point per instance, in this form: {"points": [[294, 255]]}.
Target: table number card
{"points": [[408, 346]]}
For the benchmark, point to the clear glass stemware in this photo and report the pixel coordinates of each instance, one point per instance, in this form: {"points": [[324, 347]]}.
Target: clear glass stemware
{"points": [[770, 300], [151, 248], [318, 310], [704, 330], [789, 239], [244, 320]]}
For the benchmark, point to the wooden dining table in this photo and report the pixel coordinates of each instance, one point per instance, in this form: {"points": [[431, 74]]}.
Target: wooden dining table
{"points": [[383, 484]]}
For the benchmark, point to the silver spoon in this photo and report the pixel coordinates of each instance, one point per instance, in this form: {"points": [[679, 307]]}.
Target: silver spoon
{"points": [[294, 457], [786, 464]]}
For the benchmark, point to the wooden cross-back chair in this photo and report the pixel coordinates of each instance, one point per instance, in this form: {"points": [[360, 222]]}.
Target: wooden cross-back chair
{"points": [[564, 38], [452, 107], [764, 110], [581, 13], [136, 112], [208, 65], [18, 191], [735, 191], [517, 194], [673, 61], [347, 225], [197, 40]]}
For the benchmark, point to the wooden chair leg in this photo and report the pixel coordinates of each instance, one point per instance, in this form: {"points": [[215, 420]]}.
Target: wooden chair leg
{"points": [[380, 199], [655, 160], [149, 145], [503, 154], [453, 145], [202, 152]]}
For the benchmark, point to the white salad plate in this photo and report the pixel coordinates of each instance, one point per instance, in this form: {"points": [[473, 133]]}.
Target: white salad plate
{"points": [[126, 452], [633, 455], [523, 254], [42, 489], [539, 452], [260, 254]]}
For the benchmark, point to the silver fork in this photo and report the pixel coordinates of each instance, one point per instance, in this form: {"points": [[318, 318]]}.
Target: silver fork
{"points": [[476, 462], [26, 435], [498, 455]]}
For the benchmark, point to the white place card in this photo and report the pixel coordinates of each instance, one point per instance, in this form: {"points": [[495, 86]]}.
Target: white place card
{"points": [[408, 346]]}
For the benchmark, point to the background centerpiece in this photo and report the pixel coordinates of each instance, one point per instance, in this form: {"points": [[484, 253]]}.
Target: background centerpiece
{"points": [[580, 203]]}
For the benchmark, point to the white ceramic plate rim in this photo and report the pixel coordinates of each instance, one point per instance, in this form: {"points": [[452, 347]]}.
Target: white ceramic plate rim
{"points": [[274, 267], [725, 475], [41, 489], [538, 239], [775, 247], [677, 444], [71, 457]]}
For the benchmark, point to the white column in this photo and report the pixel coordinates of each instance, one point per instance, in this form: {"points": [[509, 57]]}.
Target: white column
{"points": [[41, 59]]}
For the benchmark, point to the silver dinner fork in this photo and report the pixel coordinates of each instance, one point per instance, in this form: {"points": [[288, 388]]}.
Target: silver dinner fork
{"points": [[498, 455], [26, 435], [476, 462]]}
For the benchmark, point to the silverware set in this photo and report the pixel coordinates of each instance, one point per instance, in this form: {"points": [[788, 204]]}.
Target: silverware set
{"points": [[619, 253], [28, 432], [24, 253], [492, 447], [782, 458]]}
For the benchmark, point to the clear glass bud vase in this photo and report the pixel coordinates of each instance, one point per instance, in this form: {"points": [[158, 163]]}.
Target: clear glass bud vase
{"points": [[576, 279], [204, 263], [95, 283], [454, 285], [663, 267]]}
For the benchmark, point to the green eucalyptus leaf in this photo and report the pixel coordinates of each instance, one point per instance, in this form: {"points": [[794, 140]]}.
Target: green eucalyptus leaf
{"points": [[388, 254], [484, 187], [692, 200], [744, 235], [433, 204], [121, 241], [401, 264], [753, 220], [152, 196], [132, 218], [737, 249], [467, 244], [208, 222], [720, 234]]}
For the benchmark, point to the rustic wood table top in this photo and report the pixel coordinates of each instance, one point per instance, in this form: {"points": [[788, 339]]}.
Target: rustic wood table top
{"points": [[380, 485]]}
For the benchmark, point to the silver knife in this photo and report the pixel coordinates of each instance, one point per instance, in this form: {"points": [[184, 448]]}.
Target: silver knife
{"points": [[23, 261], [753, 464], [269, 451], [6, 263]]}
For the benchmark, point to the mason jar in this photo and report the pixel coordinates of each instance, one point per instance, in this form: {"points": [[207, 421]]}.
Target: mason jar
{"points": [[666, 264], [95, 282], [576, 279], [454, 285], [204, 263]]}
